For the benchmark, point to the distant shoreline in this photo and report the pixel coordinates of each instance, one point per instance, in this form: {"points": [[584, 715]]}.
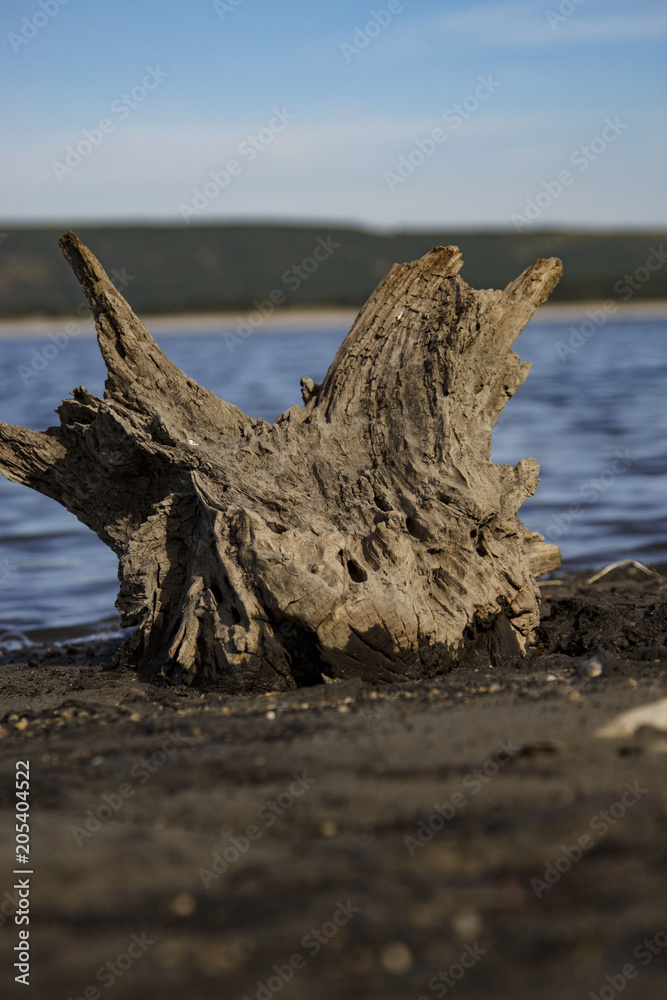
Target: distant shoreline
{"points": [[301, 320], [559, 311]]}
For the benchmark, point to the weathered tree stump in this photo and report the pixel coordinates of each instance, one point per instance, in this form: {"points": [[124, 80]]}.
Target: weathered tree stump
{"points": [[367, 533]]}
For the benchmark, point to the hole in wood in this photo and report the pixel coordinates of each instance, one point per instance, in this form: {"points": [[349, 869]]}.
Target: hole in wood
{"points": [[416, 529], [357, 574]]}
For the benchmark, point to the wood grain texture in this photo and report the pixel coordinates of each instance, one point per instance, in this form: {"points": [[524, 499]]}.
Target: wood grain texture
{"points": [[367, 533]]}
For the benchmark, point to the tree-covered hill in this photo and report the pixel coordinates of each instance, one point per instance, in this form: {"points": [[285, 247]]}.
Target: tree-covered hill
{"points": [[176, 269]]}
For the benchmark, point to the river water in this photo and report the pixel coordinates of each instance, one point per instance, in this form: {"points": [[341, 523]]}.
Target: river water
{"points": [[593, 413]]}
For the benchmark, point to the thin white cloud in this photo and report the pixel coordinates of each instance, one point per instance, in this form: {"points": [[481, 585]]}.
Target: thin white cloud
{"points": [[521, 23], [183, 154], [336, 169]]}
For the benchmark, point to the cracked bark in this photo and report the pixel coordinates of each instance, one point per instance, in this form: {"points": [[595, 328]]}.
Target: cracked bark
{"points": [[367, 533]]}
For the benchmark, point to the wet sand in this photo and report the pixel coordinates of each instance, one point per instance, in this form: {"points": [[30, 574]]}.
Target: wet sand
{"points": [[227, 837]]}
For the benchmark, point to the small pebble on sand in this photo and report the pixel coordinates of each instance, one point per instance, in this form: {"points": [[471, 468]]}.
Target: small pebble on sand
{"points": [[397, 958], [183, 905], [592, 668], [467, 925]]}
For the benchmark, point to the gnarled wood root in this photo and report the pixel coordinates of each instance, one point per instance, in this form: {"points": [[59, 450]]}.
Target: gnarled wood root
{"points": [[367, 533]]}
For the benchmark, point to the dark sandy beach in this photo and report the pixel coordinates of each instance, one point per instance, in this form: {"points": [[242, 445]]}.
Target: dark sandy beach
{"points": [[184, 843]]}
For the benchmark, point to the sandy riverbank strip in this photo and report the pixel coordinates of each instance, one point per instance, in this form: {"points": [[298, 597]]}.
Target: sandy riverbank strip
{"points": [[288, 320], [304, 320]]}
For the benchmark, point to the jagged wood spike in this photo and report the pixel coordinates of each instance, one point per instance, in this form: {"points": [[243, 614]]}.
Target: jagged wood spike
{"points": [[367, 533]]}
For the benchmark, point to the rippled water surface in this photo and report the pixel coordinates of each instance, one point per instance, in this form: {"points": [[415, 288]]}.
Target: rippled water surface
{"points": [[595, 418]]}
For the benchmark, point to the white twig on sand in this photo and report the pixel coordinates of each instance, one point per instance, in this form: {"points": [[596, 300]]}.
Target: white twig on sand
{"points": [[623, 562], [627, 723]]}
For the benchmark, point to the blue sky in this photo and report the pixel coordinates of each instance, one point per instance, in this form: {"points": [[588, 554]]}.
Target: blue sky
{"points": [[341, 102]]}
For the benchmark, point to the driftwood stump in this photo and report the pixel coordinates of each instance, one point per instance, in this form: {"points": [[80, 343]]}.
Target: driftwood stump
{"points": [[367, 533]]}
